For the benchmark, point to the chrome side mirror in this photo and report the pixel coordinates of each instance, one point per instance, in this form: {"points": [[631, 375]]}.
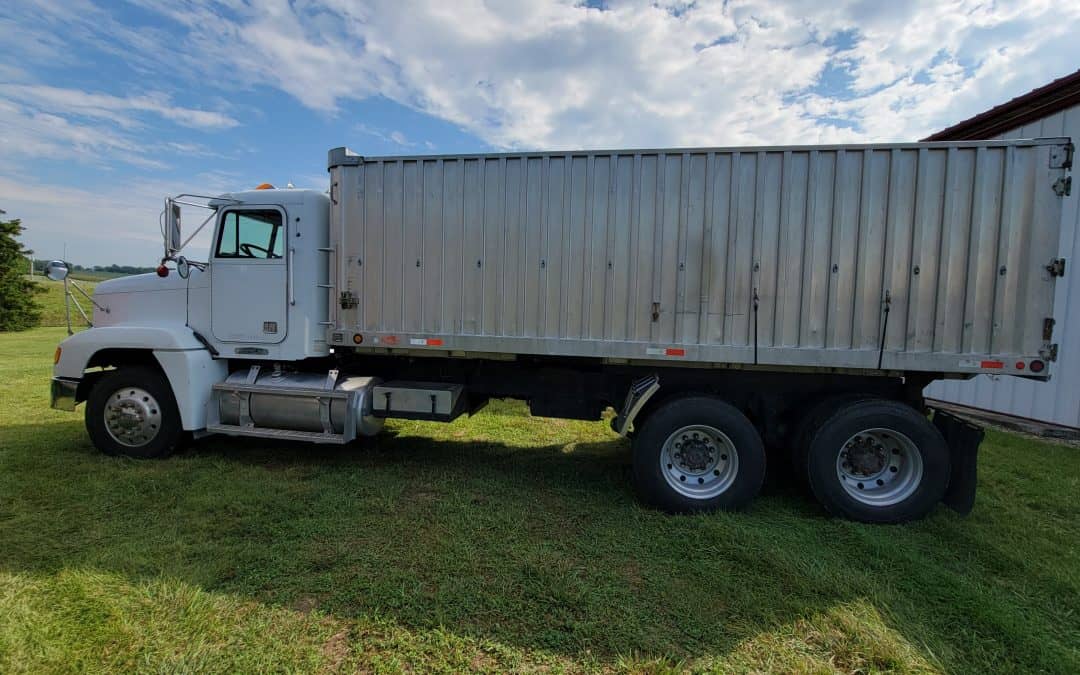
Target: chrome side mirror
{"points": [[183, 267], [56, 270], [173, 242]]}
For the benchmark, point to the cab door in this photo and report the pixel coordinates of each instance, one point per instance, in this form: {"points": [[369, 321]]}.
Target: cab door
{"points": [[249, 276]]}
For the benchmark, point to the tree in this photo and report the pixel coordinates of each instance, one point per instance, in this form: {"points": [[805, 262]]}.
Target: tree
{"points": [[18, 311]]}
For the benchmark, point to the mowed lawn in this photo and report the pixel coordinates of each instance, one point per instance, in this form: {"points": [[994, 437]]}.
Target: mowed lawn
{"points": [[501, 542]]}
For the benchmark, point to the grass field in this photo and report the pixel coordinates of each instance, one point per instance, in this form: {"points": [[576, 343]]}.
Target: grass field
{"points": [[502, 542], [52, 302]]}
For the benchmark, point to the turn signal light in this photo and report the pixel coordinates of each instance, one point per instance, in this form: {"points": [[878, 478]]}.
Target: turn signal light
{"points": [[162, 271], [1037, 366], [56, 355]]}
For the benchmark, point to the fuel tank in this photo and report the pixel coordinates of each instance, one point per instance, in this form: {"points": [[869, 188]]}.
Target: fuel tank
{"points": [[280, 400]]}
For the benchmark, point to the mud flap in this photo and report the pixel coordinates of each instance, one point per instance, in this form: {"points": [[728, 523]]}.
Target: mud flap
{"points": [[963, 439]]}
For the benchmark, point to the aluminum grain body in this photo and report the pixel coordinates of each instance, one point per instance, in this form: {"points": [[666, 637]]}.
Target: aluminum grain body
{"points": [[775, 256]]}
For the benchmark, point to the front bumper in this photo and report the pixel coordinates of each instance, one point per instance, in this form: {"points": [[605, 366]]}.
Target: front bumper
{"points": [[62, 393]]}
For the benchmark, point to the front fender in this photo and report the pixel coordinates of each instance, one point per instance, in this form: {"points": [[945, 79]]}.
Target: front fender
{"points": [[190, 369], [77, 350]]}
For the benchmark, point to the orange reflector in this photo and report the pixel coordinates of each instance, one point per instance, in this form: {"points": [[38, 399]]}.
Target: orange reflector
{"points": [[264, 186], [56, 356], [992, 364]]}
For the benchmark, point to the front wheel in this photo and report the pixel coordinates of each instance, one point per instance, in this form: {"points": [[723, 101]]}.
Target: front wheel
{"points": [[698, 453], [131, 411]]}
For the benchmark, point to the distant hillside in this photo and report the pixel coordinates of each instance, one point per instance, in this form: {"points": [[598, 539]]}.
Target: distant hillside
{"points": [[52, 303]]}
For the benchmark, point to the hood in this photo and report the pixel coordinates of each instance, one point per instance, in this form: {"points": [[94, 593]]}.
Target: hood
{"points": [[141, 283]]}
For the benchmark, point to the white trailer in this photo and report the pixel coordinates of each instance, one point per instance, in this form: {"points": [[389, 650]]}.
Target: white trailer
{"points": [[724, 301]]}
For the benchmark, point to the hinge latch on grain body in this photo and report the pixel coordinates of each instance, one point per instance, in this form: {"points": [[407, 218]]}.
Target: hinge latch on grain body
{"points": [[1049, 352], [1063, 186], [1056, 268], [1048, 328], [1061, 156]]}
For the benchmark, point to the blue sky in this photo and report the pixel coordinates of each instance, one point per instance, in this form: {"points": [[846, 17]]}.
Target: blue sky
{"points": [[107, 107]]}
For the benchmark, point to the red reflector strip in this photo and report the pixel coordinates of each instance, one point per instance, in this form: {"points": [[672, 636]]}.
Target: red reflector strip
{"points": [[665, 351], [992, 364], [426, 342]]}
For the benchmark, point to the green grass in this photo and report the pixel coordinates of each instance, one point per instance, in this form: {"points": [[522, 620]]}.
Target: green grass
{"points": [[52, 303], [502, 542]]}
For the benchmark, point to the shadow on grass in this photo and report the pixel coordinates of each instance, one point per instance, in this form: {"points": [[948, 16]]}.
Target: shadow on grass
{"points": [[542, 548]]}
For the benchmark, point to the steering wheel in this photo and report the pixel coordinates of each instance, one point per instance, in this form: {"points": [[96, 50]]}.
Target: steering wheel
{"points": [[246, 248]]}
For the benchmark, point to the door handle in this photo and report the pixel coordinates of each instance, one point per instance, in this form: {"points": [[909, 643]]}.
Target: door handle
{"points": [[289, 264]]}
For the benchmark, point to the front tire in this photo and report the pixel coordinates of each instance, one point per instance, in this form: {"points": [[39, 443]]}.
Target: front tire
{"points": [[131, 412], [698, 453], [878, 461]]}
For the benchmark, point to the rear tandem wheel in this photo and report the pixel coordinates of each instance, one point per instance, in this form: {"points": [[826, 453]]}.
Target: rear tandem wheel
{"points": [[877, 461], [698, 453]]}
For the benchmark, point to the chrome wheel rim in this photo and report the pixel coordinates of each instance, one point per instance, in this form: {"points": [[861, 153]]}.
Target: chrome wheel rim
{"points": [[699, 461], [132, 417], [879, 467]]}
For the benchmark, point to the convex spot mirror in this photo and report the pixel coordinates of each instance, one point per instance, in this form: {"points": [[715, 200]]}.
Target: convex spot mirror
{"points": [[56, 270], [183, 267]]}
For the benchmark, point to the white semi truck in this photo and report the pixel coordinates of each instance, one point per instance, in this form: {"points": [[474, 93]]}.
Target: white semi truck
{"points": [[730, 304]]}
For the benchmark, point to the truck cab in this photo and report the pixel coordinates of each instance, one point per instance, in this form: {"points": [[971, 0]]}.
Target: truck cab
{"points": [[257, 297]]}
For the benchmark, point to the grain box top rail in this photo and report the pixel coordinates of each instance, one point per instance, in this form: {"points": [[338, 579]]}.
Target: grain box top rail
{"points": [[343, 156]]}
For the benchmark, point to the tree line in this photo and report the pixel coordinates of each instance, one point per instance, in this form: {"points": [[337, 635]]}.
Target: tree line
{"points": [[39, 266]]}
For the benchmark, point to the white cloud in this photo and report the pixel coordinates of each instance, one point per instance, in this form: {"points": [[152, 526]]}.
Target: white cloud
{"points": [[643, 73], [42, 121], [527, 74], [114, 224], [117, 108], [35, 134]]}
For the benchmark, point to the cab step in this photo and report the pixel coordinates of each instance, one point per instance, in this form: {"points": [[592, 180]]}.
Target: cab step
{"points": [[279, 434]]}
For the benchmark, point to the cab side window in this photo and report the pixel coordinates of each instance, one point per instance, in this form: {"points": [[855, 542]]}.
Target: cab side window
{"points": [[251, 234]]}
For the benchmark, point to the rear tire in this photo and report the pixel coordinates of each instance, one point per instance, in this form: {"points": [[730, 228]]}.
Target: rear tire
{"points": [[131, 412], [698, 453], [878, 461], [810, 423]]}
